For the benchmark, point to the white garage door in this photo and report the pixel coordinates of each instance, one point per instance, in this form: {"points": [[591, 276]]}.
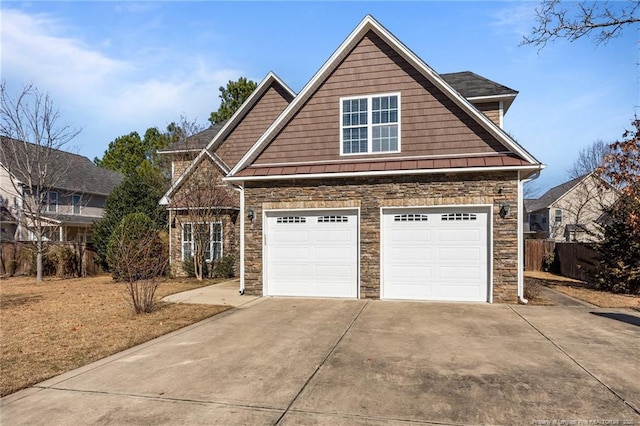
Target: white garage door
{"points": [[312, 253], [435, 254]]}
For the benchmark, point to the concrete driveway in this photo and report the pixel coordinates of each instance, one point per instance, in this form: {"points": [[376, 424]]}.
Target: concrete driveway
{"points": [[302, 361]]}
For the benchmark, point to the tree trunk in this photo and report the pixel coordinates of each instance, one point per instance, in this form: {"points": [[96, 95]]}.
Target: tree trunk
{"points": [[39, 262]]}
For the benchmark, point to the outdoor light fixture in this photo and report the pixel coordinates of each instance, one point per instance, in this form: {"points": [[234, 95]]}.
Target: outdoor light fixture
{"points": [[251, 214], [505, 208]]}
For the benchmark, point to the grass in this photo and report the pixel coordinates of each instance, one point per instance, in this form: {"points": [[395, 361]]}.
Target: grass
{"points": [[581, 290], [58, 325]]}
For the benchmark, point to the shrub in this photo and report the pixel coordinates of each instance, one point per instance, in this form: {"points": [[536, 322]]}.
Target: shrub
{"points": [[48, 262], [66, 261], [189, 268], [532, 289], [547, 261], [11, 266], [223, 268], [137, 255]]}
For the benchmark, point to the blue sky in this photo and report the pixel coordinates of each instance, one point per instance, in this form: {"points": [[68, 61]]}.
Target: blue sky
{"points": [[117, 67]]}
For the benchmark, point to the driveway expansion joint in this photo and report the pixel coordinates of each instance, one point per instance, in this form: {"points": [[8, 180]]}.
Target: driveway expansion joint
{"points": [[576, 362], [324, 360]]}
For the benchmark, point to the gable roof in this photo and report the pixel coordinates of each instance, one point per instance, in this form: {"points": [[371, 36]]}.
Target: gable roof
{"points": [[209, 150], [475, 87], [526, 160], [194, 143], [553, 194], [80, 174]]}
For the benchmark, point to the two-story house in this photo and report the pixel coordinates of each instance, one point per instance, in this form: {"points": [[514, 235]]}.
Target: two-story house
{"points": [[571, 210], [380, 179], [74, 191]]}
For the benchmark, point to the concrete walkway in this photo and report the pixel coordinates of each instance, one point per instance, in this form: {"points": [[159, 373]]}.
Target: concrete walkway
{"points": [[561, 299], [290, 361], [225, 293]]}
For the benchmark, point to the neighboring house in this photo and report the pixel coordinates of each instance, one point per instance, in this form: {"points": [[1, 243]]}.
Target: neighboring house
{"points": [[74, 200], [570, 211], [198, 200], [381, 179]]}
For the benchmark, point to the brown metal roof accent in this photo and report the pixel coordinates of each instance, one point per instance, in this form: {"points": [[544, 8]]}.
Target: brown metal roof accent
{"points": [[387, 165]]}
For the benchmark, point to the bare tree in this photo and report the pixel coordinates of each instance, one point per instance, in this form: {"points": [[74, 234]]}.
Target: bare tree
{"points": [[601, 20], [589, 159], [32, 139]]}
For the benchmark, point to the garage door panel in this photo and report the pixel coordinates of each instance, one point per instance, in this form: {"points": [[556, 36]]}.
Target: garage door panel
{"points": [[464, 235], [311, 254], [292, 253], [292, 235], [410, 254], [334, 236], [411, 236], [435, 254], [460, 254]]}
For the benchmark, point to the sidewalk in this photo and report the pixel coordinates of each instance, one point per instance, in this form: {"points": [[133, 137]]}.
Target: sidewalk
{"points": [[225, 293]]}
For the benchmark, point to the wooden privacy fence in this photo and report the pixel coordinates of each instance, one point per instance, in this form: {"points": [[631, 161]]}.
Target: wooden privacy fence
{"points": [[15, 258], [573, 260]]}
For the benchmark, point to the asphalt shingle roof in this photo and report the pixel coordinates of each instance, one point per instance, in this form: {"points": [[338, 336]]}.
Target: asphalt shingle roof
{"points": [[73, 172], [551, 196], [471, 85], [195, 142]]}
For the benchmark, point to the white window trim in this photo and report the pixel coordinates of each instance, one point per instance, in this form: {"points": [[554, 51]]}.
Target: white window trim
{"points": [[370, 124], [556, 213], [47, 207], [182, 254], [73, 205]]}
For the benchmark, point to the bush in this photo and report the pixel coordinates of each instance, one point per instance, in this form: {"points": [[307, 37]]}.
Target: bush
{"points": [[189, 268], [531, 290], [135, 251], [11, 266], [137, 255], [223, 268], [48, 262], [66, 261], [547, 261]]}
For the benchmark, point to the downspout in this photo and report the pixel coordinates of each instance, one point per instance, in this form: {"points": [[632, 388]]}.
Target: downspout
{"points": [[521, 183], [240, 189]]}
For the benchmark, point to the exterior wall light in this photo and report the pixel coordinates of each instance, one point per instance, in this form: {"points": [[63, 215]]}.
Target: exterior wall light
{"points": [[251, 214], [505, 209]]}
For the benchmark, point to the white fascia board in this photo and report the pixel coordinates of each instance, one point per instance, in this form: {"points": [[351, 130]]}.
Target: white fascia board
{"points": [[532, 168], [369, 23], [302, 96], [226, 129]]}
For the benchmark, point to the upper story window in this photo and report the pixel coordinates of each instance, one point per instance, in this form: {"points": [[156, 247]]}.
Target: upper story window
{"points": [[75, 200], [558, 215], [370, 124], [50, 202]]}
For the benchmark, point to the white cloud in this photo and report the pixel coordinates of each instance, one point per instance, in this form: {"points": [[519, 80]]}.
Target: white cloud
{"points": [[106, 95]]}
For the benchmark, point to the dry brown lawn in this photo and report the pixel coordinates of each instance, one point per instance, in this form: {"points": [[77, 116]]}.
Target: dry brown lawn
{"points": [[581, 290], [599, 298], [49, 328]]}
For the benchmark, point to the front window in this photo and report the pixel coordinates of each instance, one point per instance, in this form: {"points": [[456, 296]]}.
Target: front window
{"points": [[370, 124], [75, 199], [209, 234]]}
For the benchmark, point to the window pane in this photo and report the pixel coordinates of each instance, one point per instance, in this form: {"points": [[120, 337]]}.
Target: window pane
{"points": [[385, 102], [375, 117], [384, 139], [363, 118], [393, 116], [363, 104], [376, 104], [346, 106], [346, 120]]}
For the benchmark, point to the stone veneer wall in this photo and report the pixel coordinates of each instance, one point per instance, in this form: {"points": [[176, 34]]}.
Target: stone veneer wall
{"points": [[369, 195], [230, 240]]}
